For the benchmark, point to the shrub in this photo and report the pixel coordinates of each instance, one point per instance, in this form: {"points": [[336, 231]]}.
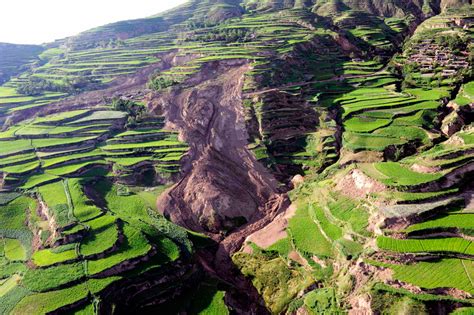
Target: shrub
{"points": [[162, 82]]}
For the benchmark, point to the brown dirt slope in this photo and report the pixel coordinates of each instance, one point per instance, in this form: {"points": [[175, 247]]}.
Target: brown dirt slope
{"points": [[224, 186]]}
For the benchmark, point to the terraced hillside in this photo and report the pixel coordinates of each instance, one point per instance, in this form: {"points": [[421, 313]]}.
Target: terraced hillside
{"points": [[16, 58], [248, 157], [396, 161]]}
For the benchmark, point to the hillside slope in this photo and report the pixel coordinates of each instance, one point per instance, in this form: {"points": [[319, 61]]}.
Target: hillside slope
{"points": [[249, 157], [15, 58]]}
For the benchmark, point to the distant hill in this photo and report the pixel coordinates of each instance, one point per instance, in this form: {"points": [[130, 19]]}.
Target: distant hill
{"points": [[13, 57], [196, 12]]}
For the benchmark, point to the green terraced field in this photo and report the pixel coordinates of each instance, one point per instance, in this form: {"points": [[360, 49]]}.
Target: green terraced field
{"points": [[307, 236], [104, 235], [329, 87], [48, 257], [50, 301], [455, 220], [398, 175], [451, 245], [58, 156], [14, 250], [447, 273]]}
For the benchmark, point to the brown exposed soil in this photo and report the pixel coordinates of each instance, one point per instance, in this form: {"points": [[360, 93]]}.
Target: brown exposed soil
{"points": [[349, 157], [295, 256], [397, 224], [274, 231], [224, 186], [362, 274], [44, 212], [376, 223], [225, 192], [129, 86], [357, 184], [424, 169]]}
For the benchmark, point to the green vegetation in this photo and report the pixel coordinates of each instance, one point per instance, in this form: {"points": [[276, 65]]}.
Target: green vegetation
{"points": [[398, 175], [48, 257], [42, 303], [55, 197], [83, 209], [307, 235], [273, 278], [446, 273], [321, 95], [134, 246], [14, 250], [322, 301], [40, 280], [452, 220], [103, 235], [209, 301], [452, 245]]}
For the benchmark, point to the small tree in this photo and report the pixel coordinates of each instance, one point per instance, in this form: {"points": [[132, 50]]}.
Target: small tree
{"points": [[133, 109], [162, 82]]}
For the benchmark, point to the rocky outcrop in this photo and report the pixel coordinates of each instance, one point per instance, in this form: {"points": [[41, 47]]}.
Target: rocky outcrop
{"points": [[459, 117]]}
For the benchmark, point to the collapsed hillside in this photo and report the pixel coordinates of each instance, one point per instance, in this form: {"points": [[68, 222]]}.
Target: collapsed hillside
{"points": [[224, 184], [309, 163]]}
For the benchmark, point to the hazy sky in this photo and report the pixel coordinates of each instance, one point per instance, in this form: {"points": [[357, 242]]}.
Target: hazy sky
{"points": [[40, 21]]}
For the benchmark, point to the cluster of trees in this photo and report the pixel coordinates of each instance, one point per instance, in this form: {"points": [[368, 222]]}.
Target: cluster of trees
{"points": [[162, 82], [135, 111], [453, 41], [192, 25], [225, 35], [37, 86]]}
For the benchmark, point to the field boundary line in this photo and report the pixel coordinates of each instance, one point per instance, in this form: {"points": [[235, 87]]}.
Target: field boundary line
{"points": [[467, 273]]}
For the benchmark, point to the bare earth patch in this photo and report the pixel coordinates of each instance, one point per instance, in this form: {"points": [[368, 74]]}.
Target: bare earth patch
{"points": [[424, 169], [295, 256], [357, 184], [349, 157], [273, 232], [363, 273]]}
